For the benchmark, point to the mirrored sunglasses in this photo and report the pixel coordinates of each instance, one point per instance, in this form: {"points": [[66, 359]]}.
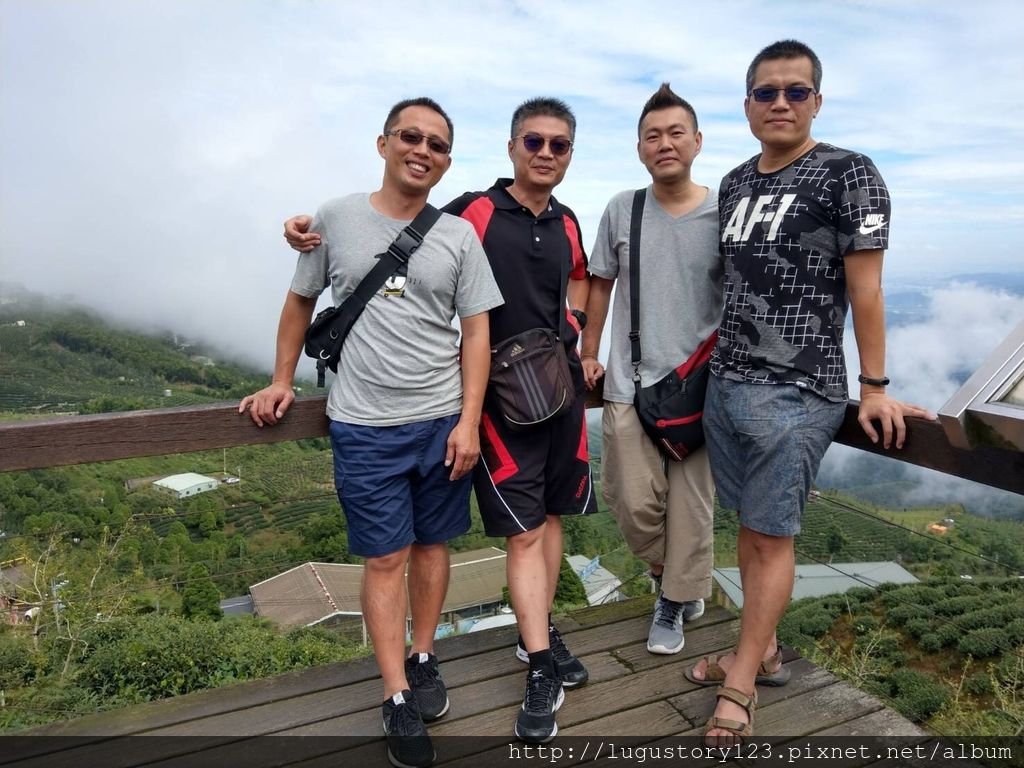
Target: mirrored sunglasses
{"points": [[792, 93], [535, 143]]}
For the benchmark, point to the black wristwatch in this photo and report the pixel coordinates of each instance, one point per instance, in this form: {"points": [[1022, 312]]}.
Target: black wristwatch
{"points": [[882, 382], [581, 317]]}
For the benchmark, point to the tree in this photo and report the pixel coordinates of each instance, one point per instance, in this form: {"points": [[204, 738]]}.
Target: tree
{"points": [[569, 590], [835, 540], [200, 599]]}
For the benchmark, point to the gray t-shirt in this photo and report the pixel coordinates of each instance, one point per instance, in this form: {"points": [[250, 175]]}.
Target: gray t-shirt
{"points": [[400, 362], [680, 286]]}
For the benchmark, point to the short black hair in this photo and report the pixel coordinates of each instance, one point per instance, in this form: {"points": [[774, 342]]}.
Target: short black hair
{"points": [[421, 101], [664, 98], [543, 106], [785, 49]]}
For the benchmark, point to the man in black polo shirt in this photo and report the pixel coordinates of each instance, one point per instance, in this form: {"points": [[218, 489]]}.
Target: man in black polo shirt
{"points": [[526, 481]]}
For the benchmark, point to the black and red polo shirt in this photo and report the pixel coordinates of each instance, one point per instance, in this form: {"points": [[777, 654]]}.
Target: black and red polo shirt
{"points": [[526, 254]]}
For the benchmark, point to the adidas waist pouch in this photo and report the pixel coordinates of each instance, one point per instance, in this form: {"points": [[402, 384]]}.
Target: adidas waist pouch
{"points": [[530, 383]]}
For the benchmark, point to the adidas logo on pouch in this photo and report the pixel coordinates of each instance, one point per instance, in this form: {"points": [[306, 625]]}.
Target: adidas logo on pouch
{"points": [[516, 350], [872, 222]]}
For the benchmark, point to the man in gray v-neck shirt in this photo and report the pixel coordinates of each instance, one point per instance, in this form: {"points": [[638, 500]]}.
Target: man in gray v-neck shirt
{"points": [[663, 507]]}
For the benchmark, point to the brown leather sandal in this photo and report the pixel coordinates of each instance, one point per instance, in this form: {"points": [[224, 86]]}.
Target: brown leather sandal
{"points": [[715, 675], [735, 727]]}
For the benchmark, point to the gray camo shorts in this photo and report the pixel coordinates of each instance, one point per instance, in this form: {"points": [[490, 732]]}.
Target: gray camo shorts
{"points": [[765, 443]]}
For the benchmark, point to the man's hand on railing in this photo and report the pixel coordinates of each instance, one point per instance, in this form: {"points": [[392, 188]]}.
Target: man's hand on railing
{"points": [[890, 413], [269, 404]]}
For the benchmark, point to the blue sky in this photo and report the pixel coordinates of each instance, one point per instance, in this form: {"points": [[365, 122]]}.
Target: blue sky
{"points": [[149, 151]]}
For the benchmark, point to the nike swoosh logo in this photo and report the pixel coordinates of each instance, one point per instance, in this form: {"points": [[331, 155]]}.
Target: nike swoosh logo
{"points": [[866, 230]]}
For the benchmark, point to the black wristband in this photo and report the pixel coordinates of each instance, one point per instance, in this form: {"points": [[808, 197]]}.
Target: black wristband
{"points": [[882, 382], [581, 317]]}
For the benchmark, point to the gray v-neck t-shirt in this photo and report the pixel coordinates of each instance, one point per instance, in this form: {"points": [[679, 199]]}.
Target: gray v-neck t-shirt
{"points": [[680, 287]]}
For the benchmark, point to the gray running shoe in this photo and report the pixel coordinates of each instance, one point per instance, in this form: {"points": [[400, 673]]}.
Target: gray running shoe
{"points": [[693, 610], [666, 635]]}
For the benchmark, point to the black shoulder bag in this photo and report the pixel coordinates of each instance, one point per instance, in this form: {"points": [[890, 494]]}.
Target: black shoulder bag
{"points": [[530, 383], [326, 334], [670, 410]]}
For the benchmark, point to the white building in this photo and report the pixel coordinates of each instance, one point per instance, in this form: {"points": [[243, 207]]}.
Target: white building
{"points": [[187, 484]]}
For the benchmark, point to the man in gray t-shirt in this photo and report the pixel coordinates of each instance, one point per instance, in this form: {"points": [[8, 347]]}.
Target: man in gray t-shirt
{"points": [[664, 508], [404, 408]]}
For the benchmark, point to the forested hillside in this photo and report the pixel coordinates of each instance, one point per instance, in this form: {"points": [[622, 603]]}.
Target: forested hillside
{"points": [[60, 358], [120, 573]]}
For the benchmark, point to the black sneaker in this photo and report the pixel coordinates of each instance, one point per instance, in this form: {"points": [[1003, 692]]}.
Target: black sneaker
{"points": [[569, 668], [425, 680], [408, 743], [536, 721]]}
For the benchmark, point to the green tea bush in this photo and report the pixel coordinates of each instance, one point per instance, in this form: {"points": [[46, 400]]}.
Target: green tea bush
{"points": [[153, 656], [982, 643], [955, 606], [917, 628], [916, 695], [864, 624], [901, 614]]}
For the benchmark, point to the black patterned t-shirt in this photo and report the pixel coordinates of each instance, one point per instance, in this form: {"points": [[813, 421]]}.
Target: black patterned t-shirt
{"points": [[783, 237]]}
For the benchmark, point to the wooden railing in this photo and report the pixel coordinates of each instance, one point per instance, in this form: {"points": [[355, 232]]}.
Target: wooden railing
{"points": [[40, 443]]}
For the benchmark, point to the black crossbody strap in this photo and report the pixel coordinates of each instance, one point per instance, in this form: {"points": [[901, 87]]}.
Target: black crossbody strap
{"points": [[398, 253], [636, 218]]}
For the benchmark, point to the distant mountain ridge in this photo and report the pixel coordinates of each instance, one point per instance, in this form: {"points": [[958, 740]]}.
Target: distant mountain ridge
{"points": [[59, 357]]}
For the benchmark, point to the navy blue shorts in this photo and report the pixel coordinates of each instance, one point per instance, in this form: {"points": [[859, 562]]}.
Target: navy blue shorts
{"points": [[394, 487], [524, 476]]}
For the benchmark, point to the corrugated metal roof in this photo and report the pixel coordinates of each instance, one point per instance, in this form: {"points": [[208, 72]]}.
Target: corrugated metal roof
{"points": [[311, 592], [815, 580]]}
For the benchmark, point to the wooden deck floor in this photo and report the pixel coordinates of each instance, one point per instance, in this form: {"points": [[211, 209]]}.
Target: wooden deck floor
{"points": [[631, 694]]}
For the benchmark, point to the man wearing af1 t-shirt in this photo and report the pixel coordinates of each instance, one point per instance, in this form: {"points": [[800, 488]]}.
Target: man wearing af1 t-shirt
{"points": [[803, 227]]}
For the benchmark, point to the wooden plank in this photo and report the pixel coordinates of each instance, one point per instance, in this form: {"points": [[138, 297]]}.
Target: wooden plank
{"points": [[698, 704], [481, 708], [884, 722], [354, 710], [656, 719], [625, 609], [103, 437], [801, 715], [628, 692], [125, 752], [194, 706], [927, 445], [701, 639], [34, 444]]}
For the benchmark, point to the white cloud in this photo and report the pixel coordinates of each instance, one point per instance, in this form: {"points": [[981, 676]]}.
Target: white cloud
{"points": [[150, 151], [929, 359]]}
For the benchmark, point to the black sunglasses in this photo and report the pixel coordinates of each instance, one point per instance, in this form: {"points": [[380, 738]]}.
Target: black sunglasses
{"points": [[414, 138], [535, 143], [793, 93]]}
